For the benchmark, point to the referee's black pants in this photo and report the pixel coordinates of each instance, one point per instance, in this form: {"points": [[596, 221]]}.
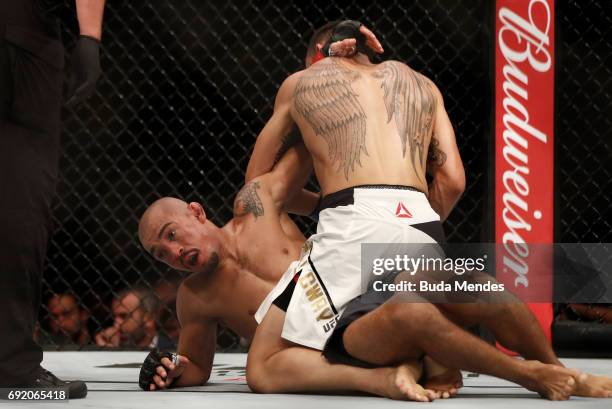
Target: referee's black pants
{"points": [[31, 74]]}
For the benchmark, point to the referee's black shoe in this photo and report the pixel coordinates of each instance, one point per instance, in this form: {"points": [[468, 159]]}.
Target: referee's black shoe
{"points": [[45, 379]]}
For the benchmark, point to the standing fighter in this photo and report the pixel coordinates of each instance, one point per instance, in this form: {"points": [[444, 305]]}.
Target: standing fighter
{"points": [[370, 129], [31, 77]]}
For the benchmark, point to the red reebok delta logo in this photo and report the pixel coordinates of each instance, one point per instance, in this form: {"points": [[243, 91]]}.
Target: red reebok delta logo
{"points": [[402, 211]]}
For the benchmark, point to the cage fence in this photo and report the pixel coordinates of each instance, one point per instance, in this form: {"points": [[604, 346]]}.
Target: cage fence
{"points": [[188, 85]]}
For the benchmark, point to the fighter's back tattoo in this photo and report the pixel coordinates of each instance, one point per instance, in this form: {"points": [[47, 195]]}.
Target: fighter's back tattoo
{"points": [[410, 100], [324, 97]]}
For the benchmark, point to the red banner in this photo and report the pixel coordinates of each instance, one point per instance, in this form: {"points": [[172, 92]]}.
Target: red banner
{"points": [[524, 154]]}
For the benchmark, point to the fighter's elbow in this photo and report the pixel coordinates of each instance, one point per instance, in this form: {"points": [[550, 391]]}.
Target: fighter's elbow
{"points": [[457, 182], [205, 378], [450, 185]]}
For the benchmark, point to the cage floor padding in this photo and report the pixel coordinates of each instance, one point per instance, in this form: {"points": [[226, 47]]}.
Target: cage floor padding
{"points": [[112, 381]]}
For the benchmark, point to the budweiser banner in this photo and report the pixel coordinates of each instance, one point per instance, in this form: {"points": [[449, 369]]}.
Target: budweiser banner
{"points": [[524, 124]]}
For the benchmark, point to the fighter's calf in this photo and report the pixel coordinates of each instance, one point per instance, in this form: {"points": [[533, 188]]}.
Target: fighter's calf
{"points": [[388, 335]]}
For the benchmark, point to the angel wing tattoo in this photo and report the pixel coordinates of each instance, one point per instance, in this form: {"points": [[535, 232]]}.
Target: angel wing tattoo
{"points": [[410, 100], [324, 97]]}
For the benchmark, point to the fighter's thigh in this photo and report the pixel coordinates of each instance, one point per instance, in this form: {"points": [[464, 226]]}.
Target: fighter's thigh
{"points": [[384, 336], [267, 340]]}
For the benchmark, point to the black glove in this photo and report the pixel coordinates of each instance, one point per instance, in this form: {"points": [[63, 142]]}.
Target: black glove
{"points": [[149, 367], [348, 29], [85, 70]]}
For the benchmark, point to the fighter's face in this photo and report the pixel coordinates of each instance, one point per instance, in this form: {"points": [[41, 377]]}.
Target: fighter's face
{"points": [[184, 242], [129, 319]]}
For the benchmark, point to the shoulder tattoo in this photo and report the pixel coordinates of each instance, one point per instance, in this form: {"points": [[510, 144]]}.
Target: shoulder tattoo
{"points": [[325, 99], [248, 201]]}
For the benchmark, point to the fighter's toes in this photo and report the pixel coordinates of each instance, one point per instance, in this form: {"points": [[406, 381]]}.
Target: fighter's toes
{"points": [[447, 383], [406, 387], [593, 386]]}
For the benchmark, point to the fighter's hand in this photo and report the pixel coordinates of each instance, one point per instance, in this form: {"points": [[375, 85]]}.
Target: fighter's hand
{"points": [[160, 369], [167, 372], [371, 40], [85, 70], [348, 47]]}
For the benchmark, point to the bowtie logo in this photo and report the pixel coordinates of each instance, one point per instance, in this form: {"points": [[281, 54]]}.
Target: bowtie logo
{"points": [[402, 211]]}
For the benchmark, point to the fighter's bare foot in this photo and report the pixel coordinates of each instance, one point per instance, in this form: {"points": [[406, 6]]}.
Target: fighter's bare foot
{"points": [[445, 382], [400, 384], [593, 386], [550, 381]]}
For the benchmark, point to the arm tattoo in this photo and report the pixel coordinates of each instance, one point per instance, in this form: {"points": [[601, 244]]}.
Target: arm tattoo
{"points": [[248, 201], [324, 97], [411, 101], [289, 140], [435, 155]]}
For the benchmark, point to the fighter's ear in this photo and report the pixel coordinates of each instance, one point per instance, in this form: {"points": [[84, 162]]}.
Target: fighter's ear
{"points": [[197, 211]]}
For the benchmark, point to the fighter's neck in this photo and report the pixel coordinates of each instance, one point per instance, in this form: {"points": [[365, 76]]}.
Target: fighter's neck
{"points": [[358, 60], [229, 247]]}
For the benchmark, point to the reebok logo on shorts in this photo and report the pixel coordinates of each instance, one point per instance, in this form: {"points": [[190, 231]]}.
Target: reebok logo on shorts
{"points": [[402, 211]]}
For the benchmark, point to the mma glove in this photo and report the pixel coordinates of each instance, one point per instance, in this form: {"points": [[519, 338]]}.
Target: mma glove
{"points": [[149, 367], [342, 31], [85, 69]]}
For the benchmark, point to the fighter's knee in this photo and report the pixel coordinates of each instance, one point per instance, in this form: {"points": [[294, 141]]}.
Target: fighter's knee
{"points": [[256, 384], [253, 377], [409, 315]]}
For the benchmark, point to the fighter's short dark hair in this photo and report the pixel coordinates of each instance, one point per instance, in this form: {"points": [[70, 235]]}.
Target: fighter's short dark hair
{"points": [[321, 35]]}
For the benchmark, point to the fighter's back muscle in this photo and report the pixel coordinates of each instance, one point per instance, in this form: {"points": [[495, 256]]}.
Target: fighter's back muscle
{"points": [[365, 115], [409, 101], [325, 98]]}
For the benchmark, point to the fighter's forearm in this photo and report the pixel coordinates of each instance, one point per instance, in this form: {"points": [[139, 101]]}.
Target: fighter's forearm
{"points": [[89, 14], [289, 176], [262, 159], [443, 196]]}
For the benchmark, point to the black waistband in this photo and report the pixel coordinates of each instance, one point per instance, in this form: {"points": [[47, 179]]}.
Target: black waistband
{"points": [[346, 196]]}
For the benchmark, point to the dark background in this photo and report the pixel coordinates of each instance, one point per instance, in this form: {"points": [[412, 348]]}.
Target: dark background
{"points": [[188, 85]]}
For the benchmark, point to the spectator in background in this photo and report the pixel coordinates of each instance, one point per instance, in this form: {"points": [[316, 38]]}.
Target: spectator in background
{"points": [[67, 322], [134, 314], [167, 287], [168, 325]]}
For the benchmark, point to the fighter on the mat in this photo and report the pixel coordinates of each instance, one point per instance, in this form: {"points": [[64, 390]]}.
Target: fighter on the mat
{"points": [[234, 268], [369, 129]]}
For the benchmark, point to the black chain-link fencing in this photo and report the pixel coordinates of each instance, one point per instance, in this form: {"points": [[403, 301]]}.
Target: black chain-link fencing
{"points": [[584, 144], [187, 86]]}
